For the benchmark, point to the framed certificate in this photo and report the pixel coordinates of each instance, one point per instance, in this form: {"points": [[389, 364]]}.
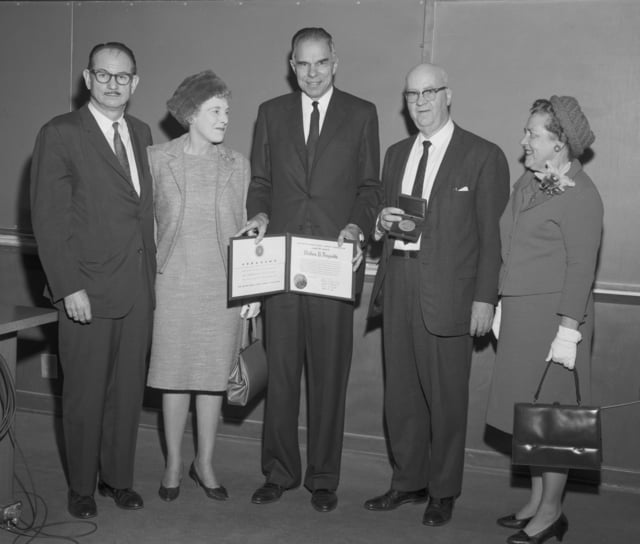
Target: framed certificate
{"points": [[306, 265]]}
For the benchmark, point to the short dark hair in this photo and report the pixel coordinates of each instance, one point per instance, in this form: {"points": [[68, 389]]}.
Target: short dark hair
{"points": [[312, 33], [544, 106], [112, 45]]}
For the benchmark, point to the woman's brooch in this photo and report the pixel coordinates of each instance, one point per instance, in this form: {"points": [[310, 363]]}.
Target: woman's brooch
{"points": [[554, 181]]}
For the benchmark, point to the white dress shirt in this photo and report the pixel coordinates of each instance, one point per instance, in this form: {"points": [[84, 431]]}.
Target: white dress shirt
{"points": [[439, 144], [106, 126], [307, 108]]}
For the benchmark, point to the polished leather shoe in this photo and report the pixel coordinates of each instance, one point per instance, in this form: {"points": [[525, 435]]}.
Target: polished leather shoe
{"points": [[125, 498], [81, 506], [512, 522], [438, 511], [324, 500], [558, 529], [393, 498], [218, 493], [168, 493], [267, 493]]}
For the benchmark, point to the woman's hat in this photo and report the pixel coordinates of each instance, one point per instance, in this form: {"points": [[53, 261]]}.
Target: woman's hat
{"points": [[574, 123]]}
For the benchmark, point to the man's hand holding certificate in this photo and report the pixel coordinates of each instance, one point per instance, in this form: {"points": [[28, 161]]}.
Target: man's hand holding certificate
{"points": [[291, 263]]}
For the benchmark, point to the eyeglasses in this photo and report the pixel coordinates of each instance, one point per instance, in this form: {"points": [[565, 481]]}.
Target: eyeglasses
{"points": [[426, 94], [102, 76]]}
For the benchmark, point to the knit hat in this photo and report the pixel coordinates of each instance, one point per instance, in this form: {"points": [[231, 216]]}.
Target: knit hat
{"points": [[573, 122], [192, 92]]}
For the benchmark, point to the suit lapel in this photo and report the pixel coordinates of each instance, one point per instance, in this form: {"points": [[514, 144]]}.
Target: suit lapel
{"points": [[336, 114], [295, 128], [141, 159], [452, 159], [99, 142], [398, 167]]}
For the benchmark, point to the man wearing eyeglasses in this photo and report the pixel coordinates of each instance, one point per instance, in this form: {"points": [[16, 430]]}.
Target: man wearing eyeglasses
{"points": [[92, 215], [435, 292]]}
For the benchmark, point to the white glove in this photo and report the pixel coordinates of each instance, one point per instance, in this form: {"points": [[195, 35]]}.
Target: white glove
{"points": [[249, 311], [497, 317], [563, 347]]}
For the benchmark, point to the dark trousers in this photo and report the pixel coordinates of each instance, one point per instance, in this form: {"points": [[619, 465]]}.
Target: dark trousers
{"points": [[320, 330], [104, 366], [426, 390]]}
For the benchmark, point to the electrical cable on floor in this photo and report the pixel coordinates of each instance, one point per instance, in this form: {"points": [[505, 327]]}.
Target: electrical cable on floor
{"points": [[7, 398], [35, 529]]}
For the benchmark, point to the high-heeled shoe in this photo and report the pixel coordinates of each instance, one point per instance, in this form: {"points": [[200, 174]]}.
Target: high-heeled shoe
{"points": [[512, 522], [168, 493], [558, 529], [217, 493]]}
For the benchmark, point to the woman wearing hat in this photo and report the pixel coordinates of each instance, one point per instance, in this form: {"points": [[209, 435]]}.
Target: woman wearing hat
{"points": [[550, 234], [200, 189]]}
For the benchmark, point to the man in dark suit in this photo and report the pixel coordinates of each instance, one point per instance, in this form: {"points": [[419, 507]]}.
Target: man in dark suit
{"points": [[435, 293], [315, 171], [91, 202]]}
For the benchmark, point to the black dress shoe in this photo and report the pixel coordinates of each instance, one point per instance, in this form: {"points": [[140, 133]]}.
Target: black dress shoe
{"points": [[81, 506], [558, 528], [324, 500], [125, 498], [168, 493], [218, 493], [512, 522], [267, 493], [438, 511], [393, 498]]}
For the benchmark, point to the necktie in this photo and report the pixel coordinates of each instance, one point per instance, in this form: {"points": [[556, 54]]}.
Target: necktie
{"points": [[418, 184], [118, 147], [314, 134]]}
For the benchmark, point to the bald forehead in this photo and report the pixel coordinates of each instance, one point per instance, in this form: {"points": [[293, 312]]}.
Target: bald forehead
{"points": [[426, 75]]}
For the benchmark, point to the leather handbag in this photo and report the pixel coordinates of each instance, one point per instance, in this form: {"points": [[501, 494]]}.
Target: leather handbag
{"points": [[248, 375], [557, 435]]}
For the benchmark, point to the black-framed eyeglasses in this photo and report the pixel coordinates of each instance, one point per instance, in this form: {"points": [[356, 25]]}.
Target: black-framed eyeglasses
{"points": [[427, 94], [102, 76]]}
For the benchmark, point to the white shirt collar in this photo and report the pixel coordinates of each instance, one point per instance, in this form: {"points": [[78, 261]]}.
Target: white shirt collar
{"points": [[443, 135], [106, 124], [323, 101]]}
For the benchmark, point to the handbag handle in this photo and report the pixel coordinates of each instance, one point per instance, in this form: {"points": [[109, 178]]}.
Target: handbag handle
{"points": [[544, 374], [246, 337]]}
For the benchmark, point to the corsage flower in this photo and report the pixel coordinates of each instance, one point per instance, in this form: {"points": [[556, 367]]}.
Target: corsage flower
{"points": [[554, 181]]}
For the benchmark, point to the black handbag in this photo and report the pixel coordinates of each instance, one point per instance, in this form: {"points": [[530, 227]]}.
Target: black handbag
{"points": [[248, 375], [557, 435]]}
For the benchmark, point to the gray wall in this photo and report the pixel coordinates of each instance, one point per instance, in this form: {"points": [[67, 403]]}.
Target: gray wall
{"points": [[501, 55]]}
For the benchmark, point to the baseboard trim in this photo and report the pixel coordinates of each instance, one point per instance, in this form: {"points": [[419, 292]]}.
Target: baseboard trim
{"points": [[249, 429]]}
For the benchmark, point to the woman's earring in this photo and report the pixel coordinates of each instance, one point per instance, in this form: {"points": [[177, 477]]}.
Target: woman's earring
{"points": [[556, 148]]}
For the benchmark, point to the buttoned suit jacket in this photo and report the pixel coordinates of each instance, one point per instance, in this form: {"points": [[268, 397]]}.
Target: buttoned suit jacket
{"points": [[460, 248], [91, 227], [343, 184]]}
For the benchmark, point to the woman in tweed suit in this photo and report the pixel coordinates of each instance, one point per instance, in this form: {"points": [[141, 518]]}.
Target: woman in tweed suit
{"points": [[200, 189]]}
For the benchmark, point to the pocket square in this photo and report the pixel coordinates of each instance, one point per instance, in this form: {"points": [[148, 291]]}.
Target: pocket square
{"points": [[462, 189]]}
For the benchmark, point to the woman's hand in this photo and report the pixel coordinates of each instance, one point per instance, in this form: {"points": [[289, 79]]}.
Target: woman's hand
{"points": [[249, 311], [564, 346]]}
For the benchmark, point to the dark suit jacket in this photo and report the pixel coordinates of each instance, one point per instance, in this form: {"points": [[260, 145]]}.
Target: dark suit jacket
{"points": [[460, 248], [90, 225], [344, 184]]}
